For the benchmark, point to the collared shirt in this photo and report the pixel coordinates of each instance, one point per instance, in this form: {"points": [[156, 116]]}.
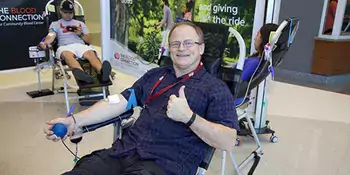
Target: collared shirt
{"points": [[173, 145]]}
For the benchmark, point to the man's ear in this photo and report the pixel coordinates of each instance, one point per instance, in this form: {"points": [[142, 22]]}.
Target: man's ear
{"points": [[201, 48]]}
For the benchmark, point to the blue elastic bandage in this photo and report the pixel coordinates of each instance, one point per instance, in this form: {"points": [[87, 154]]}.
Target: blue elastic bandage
{"points": [[132, 100], [53, 30]]}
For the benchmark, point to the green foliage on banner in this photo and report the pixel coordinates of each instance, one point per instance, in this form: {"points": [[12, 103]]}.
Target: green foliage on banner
{"points": [[231, 13], [133, 22]]}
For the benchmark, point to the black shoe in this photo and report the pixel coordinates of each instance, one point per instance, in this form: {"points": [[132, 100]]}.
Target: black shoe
{"points": [[105, 71], [80, 75]]}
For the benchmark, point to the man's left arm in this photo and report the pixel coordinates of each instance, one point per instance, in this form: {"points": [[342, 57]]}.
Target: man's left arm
{"points": [[83, 33], [218, 132], [216, 135]]}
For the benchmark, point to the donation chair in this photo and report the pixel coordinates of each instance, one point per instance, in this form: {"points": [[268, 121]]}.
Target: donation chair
{"points": [[87, 93], [275, 51], [218, 33]]}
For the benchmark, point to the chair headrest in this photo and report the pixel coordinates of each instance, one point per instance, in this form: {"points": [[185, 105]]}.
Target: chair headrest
{"points": [[56, 15], [280, 42], [215, 39], [283, 39]]}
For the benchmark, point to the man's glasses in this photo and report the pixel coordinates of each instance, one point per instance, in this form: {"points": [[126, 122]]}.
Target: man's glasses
{"points": [[187, 44]]}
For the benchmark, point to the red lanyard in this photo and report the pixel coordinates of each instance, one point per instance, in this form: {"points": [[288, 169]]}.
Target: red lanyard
{"points": [[156, 95]]}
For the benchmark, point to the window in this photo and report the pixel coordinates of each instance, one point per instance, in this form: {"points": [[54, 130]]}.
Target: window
{"points": [[346, 21], [335, 21]]}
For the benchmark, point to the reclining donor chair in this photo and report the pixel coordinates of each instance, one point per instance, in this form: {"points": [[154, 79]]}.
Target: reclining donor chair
{"points": [[215, 40], [87, 93]]}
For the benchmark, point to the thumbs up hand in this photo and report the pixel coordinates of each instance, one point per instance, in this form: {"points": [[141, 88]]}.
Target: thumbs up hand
{"points": [[178, 109]]}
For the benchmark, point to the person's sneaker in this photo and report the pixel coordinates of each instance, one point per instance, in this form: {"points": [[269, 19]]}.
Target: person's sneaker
{"points": [[105, 71], [80, 75]]}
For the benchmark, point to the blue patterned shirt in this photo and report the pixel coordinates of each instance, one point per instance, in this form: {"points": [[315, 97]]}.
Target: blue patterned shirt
{"points": [[173, 145]]}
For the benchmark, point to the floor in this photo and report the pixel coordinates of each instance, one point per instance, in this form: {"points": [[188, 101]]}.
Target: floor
{"points": [[312, 125], [343, 88]]}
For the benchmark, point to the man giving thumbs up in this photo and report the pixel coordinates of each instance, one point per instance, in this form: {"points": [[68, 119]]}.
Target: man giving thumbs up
{"points": [[178, 108], [185, 111]]}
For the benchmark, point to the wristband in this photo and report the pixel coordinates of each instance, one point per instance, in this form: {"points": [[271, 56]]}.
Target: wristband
{"points": [[193, 118], [75, 124]]}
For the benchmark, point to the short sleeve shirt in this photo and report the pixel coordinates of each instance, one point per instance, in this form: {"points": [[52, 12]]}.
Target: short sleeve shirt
{"points": [[64, 36], [173, 145]]}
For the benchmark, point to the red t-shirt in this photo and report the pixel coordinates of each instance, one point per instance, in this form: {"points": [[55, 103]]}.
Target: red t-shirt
{"points": [[332, 8]]}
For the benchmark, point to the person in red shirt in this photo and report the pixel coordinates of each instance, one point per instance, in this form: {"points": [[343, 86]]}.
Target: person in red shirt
{"points": [[330, 16]]}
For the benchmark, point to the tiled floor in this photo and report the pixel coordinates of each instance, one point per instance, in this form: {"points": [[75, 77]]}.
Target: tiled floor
{"points": [[343, 88], [313, 127]]}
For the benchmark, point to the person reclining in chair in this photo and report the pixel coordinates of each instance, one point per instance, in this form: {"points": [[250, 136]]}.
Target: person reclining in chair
{"points": [[176, 125], [260, 40], [252, 62], [73, 37]]}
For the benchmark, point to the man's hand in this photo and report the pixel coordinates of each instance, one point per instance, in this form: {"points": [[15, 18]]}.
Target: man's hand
{"points": [[158, 25], [68, 121], [178, 108], [44, 45], [79, 31]]}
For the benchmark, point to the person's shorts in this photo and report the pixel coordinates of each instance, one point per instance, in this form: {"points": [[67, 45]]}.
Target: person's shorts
{"points": [[77, 49]]}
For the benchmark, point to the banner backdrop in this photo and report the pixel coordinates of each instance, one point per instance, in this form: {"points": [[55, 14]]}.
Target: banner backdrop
{"points": [[21, 26], [135, 36]]}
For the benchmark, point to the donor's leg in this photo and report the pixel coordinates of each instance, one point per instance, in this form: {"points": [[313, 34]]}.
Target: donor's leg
{"points": [[103, 69], [97, 163], [78, 72]]}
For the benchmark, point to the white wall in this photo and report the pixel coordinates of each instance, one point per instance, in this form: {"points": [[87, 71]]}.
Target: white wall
{"points": [[92, 14]]}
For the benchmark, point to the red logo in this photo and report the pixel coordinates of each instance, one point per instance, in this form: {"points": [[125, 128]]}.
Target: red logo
{"points": [[116, 56]]}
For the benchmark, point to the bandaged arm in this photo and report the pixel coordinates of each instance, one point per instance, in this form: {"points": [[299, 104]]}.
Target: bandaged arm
{"points": [[50, 37], [102, 111], [108, 109]]}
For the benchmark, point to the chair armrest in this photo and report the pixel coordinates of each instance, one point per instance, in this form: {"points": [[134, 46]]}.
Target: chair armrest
{"points": [[230, 75], [207, 159], [93, 127]]}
